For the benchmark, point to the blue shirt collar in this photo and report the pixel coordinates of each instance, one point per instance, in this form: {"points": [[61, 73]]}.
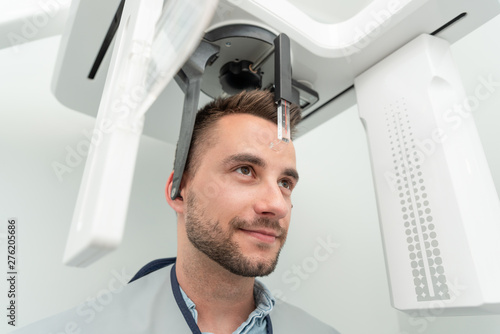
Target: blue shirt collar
{"points": [[256, 321]]}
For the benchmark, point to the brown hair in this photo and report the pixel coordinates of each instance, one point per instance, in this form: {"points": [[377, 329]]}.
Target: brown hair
{"points": [[259, 103]]}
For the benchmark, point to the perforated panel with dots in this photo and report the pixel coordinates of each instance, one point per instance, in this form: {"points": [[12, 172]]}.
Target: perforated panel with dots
{"points": [[416, 213]]}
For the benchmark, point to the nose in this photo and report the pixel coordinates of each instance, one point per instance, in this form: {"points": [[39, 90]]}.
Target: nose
{"points": [[271, 202]]}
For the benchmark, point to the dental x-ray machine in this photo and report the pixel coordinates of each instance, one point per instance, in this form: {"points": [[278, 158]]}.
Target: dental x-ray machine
{"points": [[438, 208]]}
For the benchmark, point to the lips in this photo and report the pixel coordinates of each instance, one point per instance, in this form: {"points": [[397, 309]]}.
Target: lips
{"points": [[264, 235]]}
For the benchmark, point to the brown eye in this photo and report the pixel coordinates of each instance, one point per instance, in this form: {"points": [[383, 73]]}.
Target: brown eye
{"points": [[245, 170], [286, 184]]}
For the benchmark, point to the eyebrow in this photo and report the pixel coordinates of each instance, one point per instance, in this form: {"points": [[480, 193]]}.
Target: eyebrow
{"points": [[255, 160], [291, 172]]}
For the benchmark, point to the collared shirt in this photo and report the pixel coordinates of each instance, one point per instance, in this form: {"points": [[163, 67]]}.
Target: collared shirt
{"points": [[256, 322]]}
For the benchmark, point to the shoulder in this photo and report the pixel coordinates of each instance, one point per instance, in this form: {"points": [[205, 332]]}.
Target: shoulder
{"points": [[287, 318], [139, 308]]}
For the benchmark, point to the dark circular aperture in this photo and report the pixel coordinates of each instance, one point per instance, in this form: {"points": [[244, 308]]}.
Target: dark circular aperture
{"points": [[236, 76]]}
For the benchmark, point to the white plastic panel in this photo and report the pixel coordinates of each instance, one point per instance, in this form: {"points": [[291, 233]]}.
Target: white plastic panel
{"points": [[377, 19], [438, 207], [153, 42]]}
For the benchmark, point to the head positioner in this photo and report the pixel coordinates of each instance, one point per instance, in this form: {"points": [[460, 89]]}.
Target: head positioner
{"points": [[234, 76]]}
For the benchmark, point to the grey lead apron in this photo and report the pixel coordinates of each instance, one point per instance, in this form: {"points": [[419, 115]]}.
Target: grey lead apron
{"points": [[153, 304]]}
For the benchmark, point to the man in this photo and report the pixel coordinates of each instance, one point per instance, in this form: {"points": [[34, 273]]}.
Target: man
{"points": [[233, 212], [233, 215]]}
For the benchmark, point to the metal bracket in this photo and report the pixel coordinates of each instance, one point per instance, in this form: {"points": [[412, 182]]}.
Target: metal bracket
{"points": [[282, 69], [189, 80], [235, 43]]}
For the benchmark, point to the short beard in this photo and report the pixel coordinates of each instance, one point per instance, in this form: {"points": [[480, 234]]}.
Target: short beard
{"points": [[209, 238]]}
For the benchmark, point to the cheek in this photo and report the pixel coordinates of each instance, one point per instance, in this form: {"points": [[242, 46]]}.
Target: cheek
{"points": [[224, 195], [236, 198], [285, 223], [209, 191], [221, 198]]}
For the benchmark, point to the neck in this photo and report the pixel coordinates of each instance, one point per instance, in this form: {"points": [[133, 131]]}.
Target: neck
{"points": [[223, 300]]}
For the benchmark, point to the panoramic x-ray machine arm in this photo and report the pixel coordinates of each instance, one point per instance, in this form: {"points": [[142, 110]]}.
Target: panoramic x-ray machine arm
{"points": [[152, 43], [438, 208]]}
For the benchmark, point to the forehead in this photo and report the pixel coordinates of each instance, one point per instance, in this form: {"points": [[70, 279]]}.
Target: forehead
{"points": [[237, 133]]}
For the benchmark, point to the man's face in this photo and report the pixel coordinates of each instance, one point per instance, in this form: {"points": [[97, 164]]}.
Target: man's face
{"points": [[238, 202]]}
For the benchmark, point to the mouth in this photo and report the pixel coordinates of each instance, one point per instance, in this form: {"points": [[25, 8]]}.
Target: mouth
{"points": [[266, 236]]}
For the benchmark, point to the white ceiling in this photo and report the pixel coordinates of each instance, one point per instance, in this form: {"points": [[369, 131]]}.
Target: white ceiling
{"points": [[329, 11]]}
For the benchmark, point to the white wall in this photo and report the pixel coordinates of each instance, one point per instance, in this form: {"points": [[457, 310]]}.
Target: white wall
{"points": [[34, 132], [335, 199], [334, 203]]}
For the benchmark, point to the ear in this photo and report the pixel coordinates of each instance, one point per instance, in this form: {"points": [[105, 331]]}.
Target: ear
{"points": [[178, 203]]}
